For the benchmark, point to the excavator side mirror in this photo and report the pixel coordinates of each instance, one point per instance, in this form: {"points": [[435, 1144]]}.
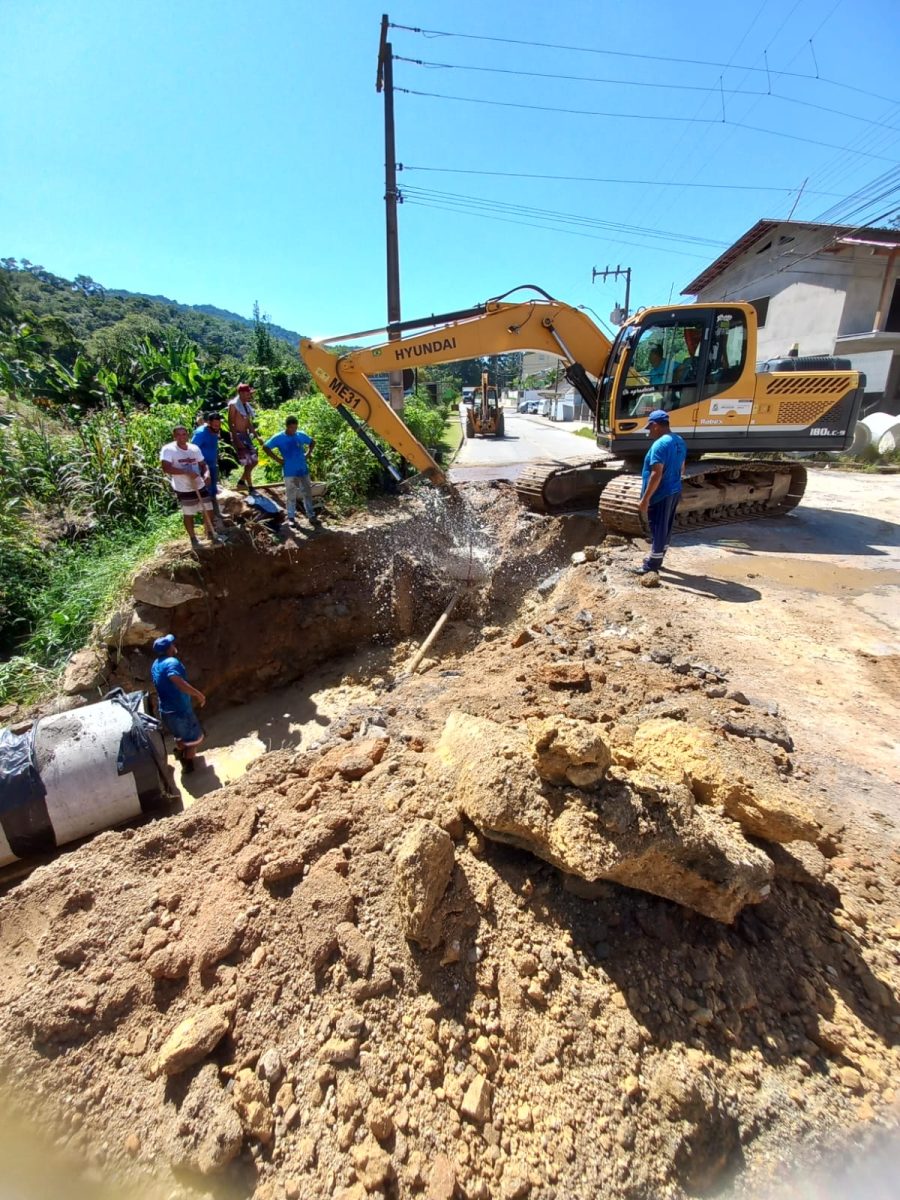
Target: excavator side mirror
{"points": [[409, 379]]}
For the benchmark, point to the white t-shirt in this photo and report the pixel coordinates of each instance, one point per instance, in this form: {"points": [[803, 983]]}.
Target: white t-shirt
{"points": [[190, 458]]}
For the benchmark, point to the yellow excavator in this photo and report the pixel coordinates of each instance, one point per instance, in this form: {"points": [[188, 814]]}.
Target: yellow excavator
{"points": [[698, 362], [485, 416]]}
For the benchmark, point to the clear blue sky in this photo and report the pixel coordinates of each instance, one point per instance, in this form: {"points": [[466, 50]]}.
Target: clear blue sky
{"points": [[221, 152]]}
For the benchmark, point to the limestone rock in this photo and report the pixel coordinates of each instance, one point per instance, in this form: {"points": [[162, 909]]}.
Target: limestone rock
{"points": [[353, 761], [742, 781], [641, 832], [563, 675], [191, 1040], [339, 1050], [567, 751], [476, 1103], [356, 950], [161, 592], [323, 902], [423, 867], [210, 1134], [373, 1165], [251, 1101], [135, 627], [85, 672], [441, 1179], [697, 1131]]}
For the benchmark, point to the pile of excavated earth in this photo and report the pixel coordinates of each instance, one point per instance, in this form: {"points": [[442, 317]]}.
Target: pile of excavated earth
{"points": [[556, 917]]}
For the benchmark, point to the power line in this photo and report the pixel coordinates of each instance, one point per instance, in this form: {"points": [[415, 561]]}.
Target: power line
{"points": [[581, 112], [651, 202], [728, 187], [555, 229], [680, 87], [482, 202], [695, 62]]}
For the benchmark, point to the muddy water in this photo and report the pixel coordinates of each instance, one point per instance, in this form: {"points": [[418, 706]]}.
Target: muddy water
{"points": [[807, 574], [286, 718]]}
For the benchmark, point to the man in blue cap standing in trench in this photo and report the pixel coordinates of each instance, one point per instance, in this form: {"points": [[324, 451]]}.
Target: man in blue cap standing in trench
{"points": [[175, 693], [661, 490]]}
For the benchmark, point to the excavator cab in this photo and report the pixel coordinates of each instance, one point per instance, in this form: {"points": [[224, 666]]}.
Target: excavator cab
{"points": [[692, 362]]}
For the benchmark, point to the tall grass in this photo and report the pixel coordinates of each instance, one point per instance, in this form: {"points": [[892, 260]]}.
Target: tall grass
{"points": [[83, 587]]}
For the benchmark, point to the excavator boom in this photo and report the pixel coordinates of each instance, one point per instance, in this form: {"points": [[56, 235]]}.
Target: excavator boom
{"points": [[497, 327]]}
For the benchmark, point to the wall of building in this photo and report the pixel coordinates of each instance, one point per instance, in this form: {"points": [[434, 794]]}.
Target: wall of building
{"points": [[815, 296]]}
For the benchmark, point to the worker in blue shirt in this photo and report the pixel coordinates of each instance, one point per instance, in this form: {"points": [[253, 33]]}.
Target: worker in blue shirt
{"points": [[207, 438], [660, 487], [658, 372], [175, 694], [289, 450]]}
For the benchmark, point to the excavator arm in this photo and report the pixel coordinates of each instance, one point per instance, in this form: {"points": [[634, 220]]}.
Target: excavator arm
{"points": [[496, 327]]}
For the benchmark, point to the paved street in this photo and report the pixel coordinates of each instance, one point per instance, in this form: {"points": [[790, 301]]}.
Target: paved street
{"points": [[527, 438]]}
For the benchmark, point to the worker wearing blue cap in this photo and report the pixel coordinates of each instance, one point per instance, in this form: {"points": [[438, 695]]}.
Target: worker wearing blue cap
{"points": [[661, 487], [175, 693]]}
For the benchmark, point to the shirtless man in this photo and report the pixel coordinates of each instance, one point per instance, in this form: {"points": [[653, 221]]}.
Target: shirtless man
{"points": [[241, 417]]}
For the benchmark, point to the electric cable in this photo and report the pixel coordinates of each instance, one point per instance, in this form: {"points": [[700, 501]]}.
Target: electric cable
{"points": [[484, 202], [615, 241], [680, 87], [636, 117], [696, 62], [728, 187]]}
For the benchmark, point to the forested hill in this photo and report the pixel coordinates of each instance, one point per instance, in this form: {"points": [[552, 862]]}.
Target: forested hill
{"points": [[88, 307], [222, 314]]}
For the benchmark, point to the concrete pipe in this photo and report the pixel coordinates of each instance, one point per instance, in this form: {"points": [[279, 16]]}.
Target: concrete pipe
{"points": [[877, 425], [79, 772], [889, 442]]}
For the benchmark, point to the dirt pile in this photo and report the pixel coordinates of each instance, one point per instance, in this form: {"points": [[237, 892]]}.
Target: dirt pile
{"points": [[230, 999]]}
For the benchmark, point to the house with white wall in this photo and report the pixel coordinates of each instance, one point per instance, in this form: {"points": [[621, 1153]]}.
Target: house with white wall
{"points": [[828, 289]]}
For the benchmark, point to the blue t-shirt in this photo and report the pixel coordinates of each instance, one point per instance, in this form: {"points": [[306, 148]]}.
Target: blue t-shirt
{"points": [[170, 698], [291, 448], [208, 443], [658, 375], [671, 451]]}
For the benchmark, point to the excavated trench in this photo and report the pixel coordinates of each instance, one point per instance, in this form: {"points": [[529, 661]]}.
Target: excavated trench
{"points": [[280, 637]]}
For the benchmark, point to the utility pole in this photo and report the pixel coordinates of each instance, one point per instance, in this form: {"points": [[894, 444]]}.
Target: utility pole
{"points": [[609, 273], [384, 82]]}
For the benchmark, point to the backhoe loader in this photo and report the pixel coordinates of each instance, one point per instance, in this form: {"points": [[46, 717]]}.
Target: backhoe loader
{"points": [[485, 417], [695, 361]]}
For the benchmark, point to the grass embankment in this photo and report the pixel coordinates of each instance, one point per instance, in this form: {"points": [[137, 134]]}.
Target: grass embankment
{"points": [[586, 432], [451, 438], [83, 587]]}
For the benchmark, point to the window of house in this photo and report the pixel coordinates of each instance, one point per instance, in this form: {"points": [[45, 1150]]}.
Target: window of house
{"points": [[762, 310], [892, 322]]}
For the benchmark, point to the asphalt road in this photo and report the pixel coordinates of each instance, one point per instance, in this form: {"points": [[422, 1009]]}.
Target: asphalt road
{"points": [[527, 439]]}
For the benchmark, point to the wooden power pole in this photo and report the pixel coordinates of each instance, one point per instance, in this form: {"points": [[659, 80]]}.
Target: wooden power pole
{"points": [[384, 82], [610, 273]]}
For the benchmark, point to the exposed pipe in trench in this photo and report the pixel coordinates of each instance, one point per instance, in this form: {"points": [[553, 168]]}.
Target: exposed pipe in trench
{"points": [[410, 668]]}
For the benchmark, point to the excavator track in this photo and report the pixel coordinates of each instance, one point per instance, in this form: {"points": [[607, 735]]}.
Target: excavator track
{"points": [[713, 493], [553, 487]]}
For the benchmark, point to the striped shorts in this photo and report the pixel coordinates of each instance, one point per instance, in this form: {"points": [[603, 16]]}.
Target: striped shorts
{"points": [[191, 505]]}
